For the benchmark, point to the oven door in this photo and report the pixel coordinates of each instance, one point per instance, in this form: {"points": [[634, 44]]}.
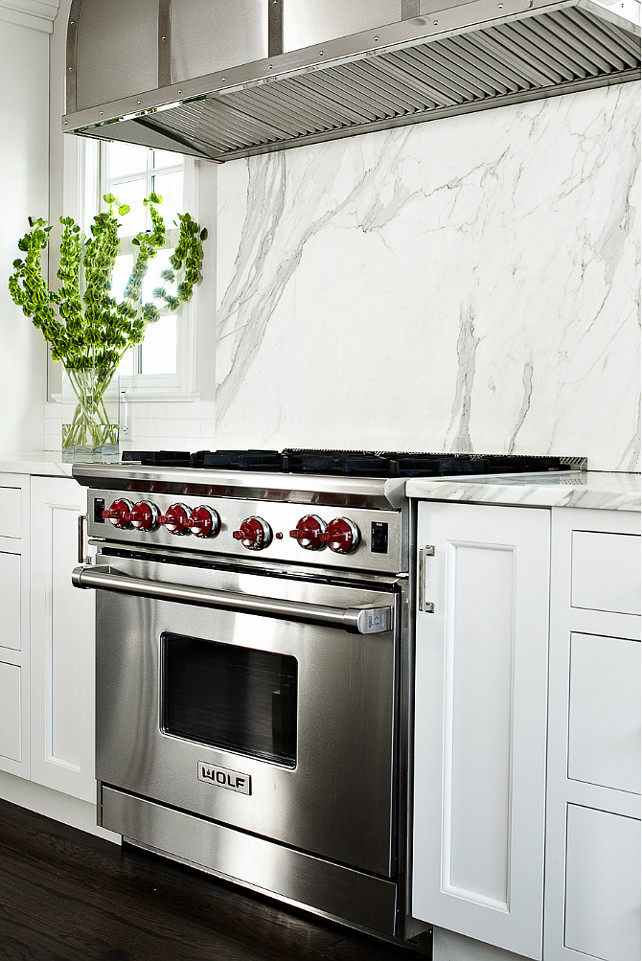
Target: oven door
{"points": [[253, 701]]}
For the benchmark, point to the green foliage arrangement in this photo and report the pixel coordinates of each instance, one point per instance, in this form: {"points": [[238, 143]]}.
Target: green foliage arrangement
{"points": [[83, 323], [88, 329]]}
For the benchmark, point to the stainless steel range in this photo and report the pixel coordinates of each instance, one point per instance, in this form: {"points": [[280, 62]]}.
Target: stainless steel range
{"points": [[253, 666]]}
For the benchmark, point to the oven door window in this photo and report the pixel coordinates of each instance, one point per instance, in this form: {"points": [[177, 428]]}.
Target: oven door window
{"points": [[230, 698]]}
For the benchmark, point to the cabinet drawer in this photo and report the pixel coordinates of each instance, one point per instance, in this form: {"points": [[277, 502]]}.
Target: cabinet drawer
{"points": [[10, 512], [604, 712], [605, 572], [10, 630], [10, 746], [602, 884]]}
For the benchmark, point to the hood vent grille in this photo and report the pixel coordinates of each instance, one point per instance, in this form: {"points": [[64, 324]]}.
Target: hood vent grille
{"points": [[572, 47]]}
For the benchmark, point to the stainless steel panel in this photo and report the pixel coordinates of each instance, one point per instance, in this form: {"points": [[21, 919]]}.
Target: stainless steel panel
{"points": [[116, 50], [164, 42], [209, 36], [71, 103], [281, 517], [329, 889], [337, 802], [314, 21]]}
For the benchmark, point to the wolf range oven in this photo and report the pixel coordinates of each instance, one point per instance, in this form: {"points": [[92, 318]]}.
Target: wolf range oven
{"points": [[253, 667]]}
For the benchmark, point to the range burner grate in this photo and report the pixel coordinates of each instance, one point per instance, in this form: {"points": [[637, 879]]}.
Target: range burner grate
{"points": [[357, 463]]}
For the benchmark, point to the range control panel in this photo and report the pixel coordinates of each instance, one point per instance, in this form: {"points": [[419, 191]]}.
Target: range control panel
{"points": [[355, 538]]}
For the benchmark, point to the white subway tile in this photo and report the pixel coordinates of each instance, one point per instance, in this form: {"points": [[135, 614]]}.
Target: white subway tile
{"points": [[182, 442], [148, 427]]}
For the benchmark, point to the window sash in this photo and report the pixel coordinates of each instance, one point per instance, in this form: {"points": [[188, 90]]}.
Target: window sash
{"points": [[138, 383]]}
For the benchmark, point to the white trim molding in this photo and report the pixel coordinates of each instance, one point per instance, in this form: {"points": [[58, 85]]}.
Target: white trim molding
{"points": [[35, 14]]}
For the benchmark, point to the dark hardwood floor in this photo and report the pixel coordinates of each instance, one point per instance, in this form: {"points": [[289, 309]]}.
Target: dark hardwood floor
{"points": [[68, 896]]}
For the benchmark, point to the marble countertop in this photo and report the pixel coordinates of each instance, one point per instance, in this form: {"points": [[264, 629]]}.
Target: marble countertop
{"points": [[38, 462], [598, 490]]}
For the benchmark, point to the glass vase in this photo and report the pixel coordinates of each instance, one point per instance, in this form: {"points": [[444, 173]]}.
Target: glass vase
{"points": [[90, 398]]}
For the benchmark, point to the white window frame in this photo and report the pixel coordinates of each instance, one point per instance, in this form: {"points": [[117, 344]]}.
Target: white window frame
{"points": [[152, 387]]}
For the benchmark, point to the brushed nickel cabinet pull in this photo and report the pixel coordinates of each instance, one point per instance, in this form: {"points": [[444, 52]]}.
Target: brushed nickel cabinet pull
{"points": [[427, 606]]}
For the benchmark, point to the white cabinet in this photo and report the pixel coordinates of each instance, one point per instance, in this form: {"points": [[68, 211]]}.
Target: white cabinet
{"points": [[46, 637], [592, 907], [62, 644], [14, 627], [480, 722]]}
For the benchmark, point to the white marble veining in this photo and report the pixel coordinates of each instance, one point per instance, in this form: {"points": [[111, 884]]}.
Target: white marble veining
{"points": [[598, 490], [469, 284]]}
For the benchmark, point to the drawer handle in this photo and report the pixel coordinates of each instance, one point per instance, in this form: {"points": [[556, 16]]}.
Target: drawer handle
{"points": [[427, 607]]}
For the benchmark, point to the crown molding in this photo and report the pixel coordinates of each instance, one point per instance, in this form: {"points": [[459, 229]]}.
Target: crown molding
{"points": [[35, 14]]}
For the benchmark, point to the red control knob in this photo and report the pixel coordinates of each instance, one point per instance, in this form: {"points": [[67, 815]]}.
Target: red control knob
{"points": [[308, 531], [341, 536], [255, 533], [204, 522], [118, 513], [143, 516], [175, 519]]}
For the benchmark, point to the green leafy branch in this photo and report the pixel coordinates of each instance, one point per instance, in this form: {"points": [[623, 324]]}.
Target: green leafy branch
{"points": [[81, 320]]}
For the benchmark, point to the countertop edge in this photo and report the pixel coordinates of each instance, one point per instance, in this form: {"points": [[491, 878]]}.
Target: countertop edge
{"points": [[593, 490], [34, 463]]}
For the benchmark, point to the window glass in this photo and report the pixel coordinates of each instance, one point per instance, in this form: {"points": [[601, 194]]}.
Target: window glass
{"points": [[125, 159], [131, 173], [163, 158], [133, 193], [160, 342], [170, 187], [120, 276]]}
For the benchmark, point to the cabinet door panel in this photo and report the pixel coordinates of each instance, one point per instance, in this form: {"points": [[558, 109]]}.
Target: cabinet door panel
{"points": [[602, 885], [10, 512], [604, 712], [62, 645], [10, 713], [480, 728], [605, 573], [11, 630], [477, 758]]}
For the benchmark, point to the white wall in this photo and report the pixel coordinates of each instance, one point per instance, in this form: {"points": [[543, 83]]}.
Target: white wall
{"points": [[24, 121], [465, 284]]}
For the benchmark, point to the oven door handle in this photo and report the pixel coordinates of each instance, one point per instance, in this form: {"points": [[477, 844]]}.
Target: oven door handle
{"points": [[357, 620]]}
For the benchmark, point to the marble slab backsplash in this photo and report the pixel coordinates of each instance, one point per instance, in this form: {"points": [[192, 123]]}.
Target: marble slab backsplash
{"points": [[469, 284]]}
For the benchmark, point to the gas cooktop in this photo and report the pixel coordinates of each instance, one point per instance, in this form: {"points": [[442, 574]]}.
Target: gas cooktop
{"points": [[356, 463]]}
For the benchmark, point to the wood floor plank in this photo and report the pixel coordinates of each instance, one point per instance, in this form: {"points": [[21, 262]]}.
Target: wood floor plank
{"points": [[68, 896]]}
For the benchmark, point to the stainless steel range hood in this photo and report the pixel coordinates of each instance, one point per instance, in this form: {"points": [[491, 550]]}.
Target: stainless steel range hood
{"points": [[221, 79]]}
